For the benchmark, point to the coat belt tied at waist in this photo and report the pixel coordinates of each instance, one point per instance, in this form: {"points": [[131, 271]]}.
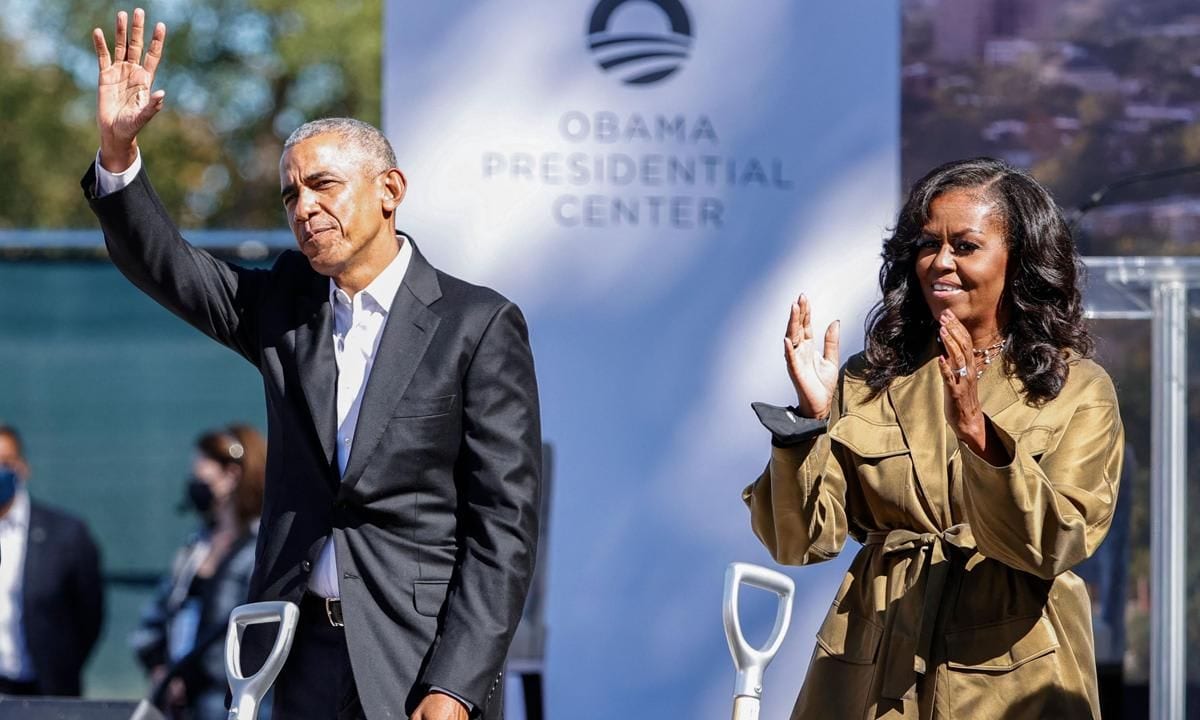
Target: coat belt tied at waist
{"points": [[916, 583]]}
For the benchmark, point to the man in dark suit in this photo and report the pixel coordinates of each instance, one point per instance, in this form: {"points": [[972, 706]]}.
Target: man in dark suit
{"points": [[403, 471], [51, 595]]}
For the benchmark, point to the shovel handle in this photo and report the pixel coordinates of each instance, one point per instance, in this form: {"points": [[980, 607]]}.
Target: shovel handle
{"points": [[751, 662], [248, 692], [745, 708]]}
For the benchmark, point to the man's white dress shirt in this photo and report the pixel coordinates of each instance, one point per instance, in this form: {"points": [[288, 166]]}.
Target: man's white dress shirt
{"points": [[357, 326], [15, 663]]}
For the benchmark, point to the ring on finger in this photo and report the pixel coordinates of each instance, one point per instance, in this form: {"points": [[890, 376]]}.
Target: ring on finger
{"points": [[962, 371]]}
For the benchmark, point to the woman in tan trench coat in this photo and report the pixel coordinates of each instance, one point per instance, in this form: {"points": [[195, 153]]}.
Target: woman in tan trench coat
{"points": [[972, 449]]}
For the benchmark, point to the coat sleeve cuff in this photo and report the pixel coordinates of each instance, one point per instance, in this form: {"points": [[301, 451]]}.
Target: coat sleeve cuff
{"points": [[983, 467], [788, 428], [785, 461]]}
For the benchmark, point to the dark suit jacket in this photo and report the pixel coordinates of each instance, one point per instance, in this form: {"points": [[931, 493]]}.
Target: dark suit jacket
{"points": [[62, 599], [435, 518]]}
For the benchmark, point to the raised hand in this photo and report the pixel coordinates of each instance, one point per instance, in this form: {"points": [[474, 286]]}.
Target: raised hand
{"points": [[124, 101], [960, 376], [813, 373]]}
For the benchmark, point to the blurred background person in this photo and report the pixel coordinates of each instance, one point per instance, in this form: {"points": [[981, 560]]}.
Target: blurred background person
{"points": [[180, 638], [51, 594]]}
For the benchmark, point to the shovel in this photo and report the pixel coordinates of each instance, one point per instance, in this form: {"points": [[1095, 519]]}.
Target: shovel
{"points": [[750, 662], [248, 692]]}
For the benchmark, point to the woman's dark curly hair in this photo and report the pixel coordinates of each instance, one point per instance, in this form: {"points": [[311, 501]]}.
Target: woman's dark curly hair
{"points": [[1041, 295]]}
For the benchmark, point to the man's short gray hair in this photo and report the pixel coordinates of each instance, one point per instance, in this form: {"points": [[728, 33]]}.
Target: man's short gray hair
{"points": [[362, 136]]}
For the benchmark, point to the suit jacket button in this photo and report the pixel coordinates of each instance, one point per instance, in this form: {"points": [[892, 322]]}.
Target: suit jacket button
{"points": [[306, 566]]}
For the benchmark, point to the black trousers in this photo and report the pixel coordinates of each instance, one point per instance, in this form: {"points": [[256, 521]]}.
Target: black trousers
{"points": [[316, 682]]}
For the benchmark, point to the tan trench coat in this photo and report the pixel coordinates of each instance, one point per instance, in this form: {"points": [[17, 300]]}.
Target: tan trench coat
{"points": [[961, 603]]}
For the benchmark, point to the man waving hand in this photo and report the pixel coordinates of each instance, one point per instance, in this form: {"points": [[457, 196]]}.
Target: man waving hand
{"points": [[405, 449]]}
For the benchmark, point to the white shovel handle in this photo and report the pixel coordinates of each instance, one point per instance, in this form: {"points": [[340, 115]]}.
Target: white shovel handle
{"points": [[751, 662], [248, 692]]}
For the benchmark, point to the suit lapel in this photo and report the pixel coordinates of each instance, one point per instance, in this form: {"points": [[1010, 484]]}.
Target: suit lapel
{"points": [[316, 364], [407, 333], [917, 401]]}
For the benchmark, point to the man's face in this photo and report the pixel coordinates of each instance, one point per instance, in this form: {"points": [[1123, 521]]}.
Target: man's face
{"points": [[10, 456], [337, 206]]}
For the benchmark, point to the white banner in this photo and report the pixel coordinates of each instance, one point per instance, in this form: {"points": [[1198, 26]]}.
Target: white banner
{"points": [[653, 181]]}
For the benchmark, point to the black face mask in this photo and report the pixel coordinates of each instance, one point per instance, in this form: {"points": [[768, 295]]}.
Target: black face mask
{"points": [[8, 484], [199, 497]]}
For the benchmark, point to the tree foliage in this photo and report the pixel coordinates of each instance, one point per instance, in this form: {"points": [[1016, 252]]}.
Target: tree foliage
{"points": [[240, 75]]}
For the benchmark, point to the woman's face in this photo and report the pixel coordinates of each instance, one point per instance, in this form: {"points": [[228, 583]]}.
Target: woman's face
{"points": [[961, 261], [220, 480]]}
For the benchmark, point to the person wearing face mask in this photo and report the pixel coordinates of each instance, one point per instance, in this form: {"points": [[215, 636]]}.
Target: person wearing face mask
{"points": [[51, 593], [973, 449], [179, 640]]}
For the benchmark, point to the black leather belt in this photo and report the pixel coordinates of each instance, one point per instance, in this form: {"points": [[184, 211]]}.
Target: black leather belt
{"points": [[322, 609]]}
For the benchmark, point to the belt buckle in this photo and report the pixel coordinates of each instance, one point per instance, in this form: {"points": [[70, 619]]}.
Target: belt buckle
{"points": [[329, 611]]}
